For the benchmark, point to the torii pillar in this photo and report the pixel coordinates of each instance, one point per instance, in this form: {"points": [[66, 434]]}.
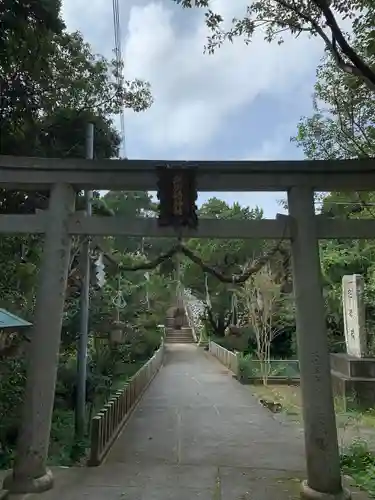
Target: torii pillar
{"points": [[30, 473], [322, 453]]}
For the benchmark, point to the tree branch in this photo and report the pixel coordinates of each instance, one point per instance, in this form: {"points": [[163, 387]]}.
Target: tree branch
{"points": [[358, 68], [363, 69]]}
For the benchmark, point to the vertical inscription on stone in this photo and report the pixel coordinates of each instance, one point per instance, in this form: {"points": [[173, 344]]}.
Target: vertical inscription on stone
{"points": [[354, 315]]}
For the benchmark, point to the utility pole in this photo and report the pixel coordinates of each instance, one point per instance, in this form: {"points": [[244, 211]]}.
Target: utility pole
{"points": [[80, 414]]}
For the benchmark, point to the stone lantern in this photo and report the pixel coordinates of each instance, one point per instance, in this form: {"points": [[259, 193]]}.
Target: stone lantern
{"points": [[178, 317], [117, 332]]}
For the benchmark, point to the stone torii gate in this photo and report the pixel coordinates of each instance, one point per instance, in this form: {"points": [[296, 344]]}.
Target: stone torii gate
{"points": [[300, 179]]}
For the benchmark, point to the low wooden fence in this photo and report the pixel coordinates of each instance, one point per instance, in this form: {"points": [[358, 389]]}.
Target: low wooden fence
{"points": [[107, 424], [271, 380], [227, 358], [280, 371], [233, 361]]}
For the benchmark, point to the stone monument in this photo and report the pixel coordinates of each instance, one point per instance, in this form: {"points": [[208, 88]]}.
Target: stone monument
{"points": [[353, 372], [354, 315]]}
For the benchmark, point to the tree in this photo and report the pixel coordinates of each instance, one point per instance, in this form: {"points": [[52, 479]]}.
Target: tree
{"points": [[316, 17], [26, 42], [130, 204], [229, 256], [135, 204], [341, 257], [51, 86], [342, 127], [264, 304], [47, 99], [44, 69]]}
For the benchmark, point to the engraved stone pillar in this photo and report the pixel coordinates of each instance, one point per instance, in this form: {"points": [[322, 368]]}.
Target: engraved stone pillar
{"points": [[30, 473], [354, 315], [322, 454], [353, 374]]}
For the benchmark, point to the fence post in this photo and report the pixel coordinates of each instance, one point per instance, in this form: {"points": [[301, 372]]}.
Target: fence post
{"points": [[106, 423], [95, 440], [237, 364], [120, 414]]}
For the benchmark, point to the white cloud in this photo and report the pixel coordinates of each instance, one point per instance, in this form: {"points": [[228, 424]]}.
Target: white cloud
{"points": [[97, 18], [269, 150], [195, 92]]}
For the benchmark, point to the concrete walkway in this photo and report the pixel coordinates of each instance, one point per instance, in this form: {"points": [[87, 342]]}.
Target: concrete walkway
{"points": [[197, 434]]}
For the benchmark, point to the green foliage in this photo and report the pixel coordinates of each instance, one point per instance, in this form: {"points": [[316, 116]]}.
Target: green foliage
{"points": [[17, 283], [12, 382], [272, 18], [47, 101], [342, 124], [242, 342], [340, 258], [249, 367], [359, 463], [342, 127], [228, 256], [27, 28], [62, 438], [62, 76]]}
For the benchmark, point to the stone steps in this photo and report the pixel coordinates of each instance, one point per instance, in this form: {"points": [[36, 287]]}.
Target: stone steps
{"points": [[183, 336], [179, 341], [179, 338]]}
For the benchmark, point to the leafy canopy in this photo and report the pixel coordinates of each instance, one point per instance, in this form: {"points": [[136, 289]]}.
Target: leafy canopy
{"points": [[316, 17]]}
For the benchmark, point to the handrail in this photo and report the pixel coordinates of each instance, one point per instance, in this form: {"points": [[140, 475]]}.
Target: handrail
{"points": [[189, 317], [108, 423], [227, 358], [198, 333]]}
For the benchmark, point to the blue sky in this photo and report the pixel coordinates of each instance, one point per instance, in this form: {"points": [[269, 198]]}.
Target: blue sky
{"points": [[244, 102]]}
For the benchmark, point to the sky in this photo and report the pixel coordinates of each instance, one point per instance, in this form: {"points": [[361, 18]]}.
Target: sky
{"points": [[242, 103]]}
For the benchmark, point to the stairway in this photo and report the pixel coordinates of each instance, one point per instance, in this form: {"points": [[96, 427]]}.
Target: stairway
{"points": [[182, 336], [177, 332]]}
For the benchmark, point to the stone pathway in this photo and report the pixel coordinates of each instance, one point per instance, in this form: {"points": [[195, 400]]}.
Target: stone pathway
{"points": [[197, 434]]}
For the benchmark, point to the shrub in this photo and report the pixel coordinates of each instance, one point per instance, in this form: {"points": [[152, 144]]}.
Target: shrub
{"points": [[358, 462]]}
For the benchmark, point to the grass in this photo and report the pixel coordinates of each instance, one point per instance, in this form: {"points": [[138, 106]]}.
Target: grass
{"points": [[128, 371], [250, 368], [355, 431], [290, 399], [63, 449], [288, 396], [358, 462]]}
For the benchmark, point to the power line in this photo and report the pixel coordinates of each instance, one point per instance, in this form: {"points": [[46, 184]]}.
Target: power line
{"points": [[119, 61]]}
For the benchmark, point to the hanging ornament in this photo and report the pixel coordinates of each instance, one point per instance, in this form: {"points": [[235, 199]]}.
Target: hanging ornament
{"points": [[99, 271], [117, 331], [234, 326], [208, 298]]}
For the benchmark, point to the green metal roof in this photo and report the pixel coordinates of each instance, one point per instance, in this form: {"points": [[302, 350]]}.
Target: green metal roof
{"points": [[9, 320]]}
